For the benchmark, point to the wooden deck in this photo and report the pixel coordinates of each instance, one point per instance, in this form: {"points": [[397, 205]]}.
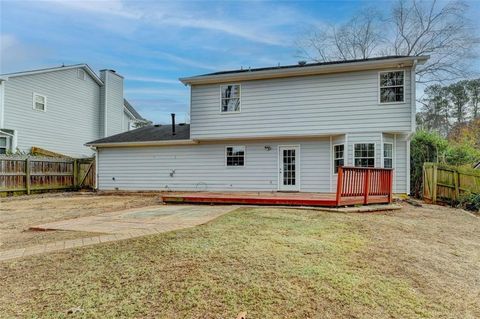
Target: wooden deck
{"points": [[266, 198], [355, 186]]}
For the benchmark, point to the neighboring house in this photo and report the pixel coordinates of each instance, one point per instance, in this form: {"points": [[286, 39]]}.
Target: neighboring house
{"points": [[274, 129], [60, 109]]}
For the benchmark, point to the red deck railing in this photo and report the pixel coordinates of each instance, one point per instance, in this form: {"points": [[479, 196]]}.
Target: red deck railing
{"points": [[361, 185]]}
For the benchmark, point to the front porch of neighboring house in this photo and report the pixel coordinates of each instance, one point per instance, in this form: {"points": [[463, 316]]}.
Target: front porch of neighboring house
{"points": [[355, 186]]}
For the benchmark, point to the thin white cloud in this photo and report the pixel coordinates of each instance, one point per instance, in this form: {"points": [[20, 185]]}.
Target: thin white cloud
{"points": [[181, 17], [185, 61], [16, 55], [157, 92], [151, 79]]}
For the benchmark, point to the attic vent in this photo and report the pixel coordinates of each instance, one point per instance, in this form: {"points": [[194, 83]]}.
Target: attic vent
{"points": [[81, 74]]}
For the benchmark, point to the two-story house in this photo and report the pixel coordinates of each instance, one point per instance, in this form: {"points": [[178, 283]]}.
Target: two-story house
{"points": [[285, 128], [60, 109]]}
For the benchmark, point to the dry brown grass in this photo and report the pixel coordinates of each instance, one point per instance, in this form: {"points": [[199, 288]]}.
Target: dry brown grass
{"points": [[17, 214], [272, 263]]}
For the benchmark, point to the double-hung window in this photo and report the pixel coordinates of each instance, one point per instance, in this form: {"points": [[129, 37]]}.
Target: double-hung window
{"points": [[230, 99], [388, 155], [39, 102], [364, 155], [338, 157], [235, 155], [392, 87]]}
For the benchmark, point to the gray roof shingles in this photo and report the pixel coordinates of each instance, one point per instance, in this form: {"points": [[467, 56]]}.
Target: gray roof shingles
{"points": [[148, 133], [132, 110], [306, 65]]}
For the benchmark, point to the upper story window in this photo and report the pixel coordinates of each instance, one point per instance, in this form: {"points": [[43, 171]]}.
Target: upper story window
{"points": [[39, 102], [338, 157], [364, 155], [392, 87], [81, 74], [235, 155], [230, 100], [388, 155]]}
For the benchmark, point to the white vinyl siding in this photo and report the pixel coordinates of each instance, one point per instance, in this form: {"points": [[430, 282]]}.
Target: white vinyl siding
{"points": [[114, 99], [149, 168], [308, 105], [72, 116]]}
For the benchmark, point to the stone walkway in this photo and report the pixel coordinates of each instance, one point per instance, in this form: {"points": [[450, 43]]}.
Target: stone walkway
{"points": [[122, 225]]}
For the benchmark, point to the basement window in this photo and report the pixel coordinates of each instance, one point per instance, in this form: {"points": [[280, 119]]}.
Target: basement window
{"points": [[392, 87], [364, 155], [338, 157], [39, 102], [230, 98], [235, 155]]}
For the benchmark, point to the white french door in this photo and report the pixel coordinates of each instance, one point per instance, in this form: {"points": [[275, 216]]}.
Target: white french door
{"points": [[289, 168]]}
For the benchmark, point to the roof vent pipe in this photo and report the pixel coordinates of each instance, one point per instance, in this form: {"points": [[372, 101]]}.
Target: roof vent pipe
{"points": [[173, 123]]}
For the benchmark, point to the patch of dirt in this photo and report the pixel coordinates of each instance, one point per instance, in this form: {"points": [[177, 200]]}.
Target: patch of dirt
{"points": [[436, 248], [17, 214]]}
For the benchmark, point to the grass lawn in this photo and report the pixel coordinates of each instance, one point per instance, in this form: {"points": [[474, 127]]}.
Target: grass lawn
{"points": [[271, 263]]}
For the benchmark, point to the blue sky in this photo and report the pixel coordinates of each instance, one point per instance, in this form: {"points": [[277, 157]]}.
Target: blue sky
{"points": [[153, 43]]}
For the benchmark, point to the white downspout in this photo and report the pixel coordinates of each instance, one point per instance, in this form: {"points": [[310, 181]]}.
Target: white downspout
{"points": [[413, 101]]}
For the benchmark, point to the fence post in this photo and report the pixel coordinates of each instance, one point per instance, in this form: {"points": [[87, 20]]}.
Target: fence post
{"points": [[366, 186], [27, 175], [456, 183], [434, 183], [75, 173]]}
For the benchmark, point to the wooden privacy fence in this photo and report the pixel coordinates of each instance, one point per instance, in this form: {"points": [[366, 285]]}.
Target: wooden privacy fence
{"points": [[444, 183], [33, 174], [359, 185]]}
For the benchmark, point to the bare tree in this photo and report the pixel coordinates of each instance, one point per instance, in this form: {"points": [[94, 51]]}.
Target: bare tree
{"points": [[359, 38], [412, 29], [444, 33]]}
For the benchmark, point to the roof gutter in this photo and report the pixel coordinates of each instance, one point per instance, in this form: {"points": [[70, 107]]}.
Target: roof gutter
{"points": [[143, 143], [304, 70]]}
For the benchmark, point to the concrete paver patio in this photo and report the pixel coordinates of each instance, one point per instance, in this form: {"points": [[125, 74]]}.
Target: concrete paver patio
{"points": [[122, 225]]}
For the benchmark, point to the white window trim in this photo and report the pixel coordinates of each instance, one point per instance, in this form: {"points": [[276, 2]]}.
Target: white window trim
{"points": [[244, 156], [33, 102], [374, 153], [383, 154], [239, 99], [379, 88], [333, 156]]}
